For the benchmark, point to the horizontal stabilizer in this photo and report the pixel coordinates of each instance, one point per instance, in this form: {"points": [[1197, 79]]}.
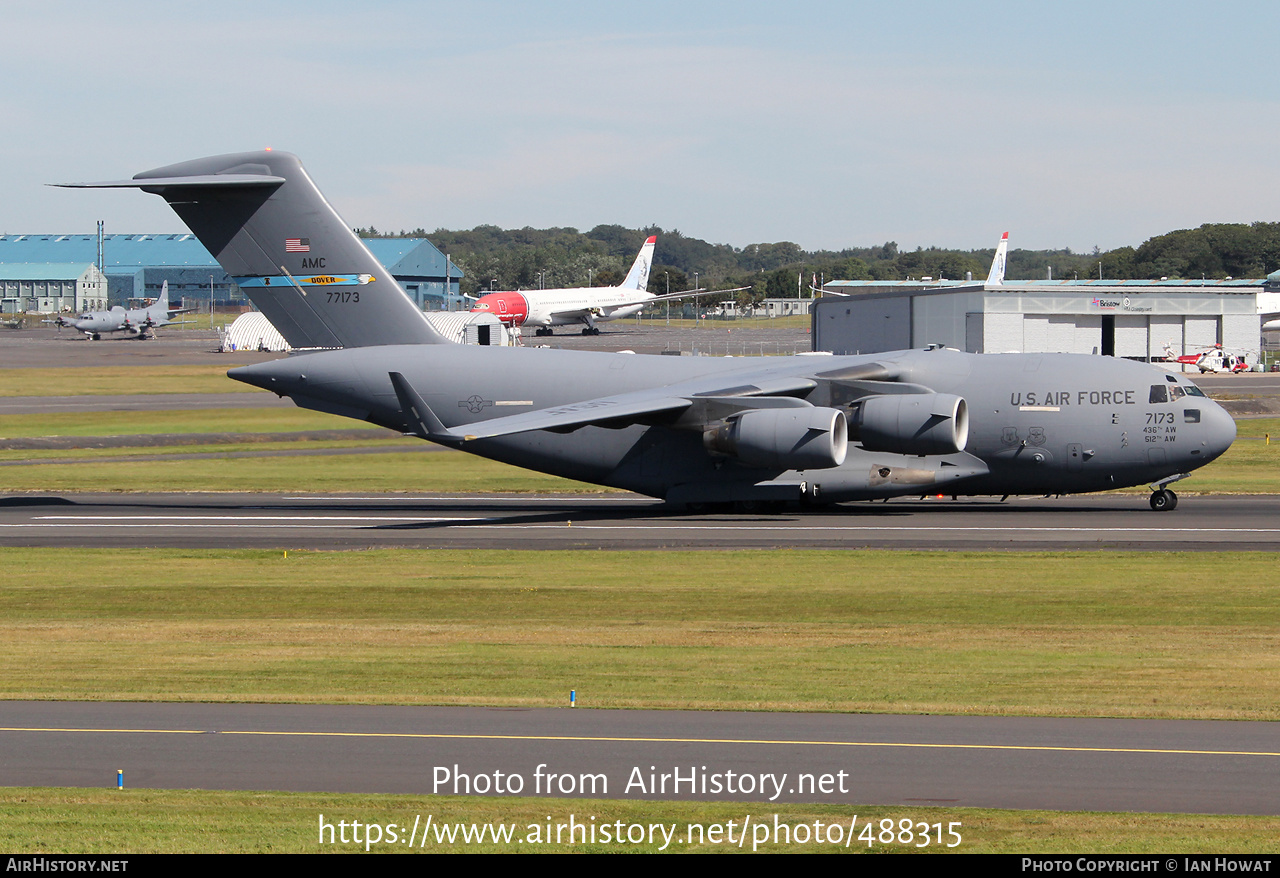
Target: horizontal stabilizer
{"points": [[155, 184]]}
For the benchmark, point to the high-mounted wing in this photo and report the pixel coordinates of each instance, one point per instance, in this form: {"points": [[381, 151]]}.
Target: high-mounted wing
{"points": [[620, 410]]}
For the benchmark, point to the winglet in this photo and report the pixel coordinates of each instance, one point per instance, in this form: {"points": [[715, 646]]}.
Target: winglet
{"points": [[996, 277], [421, 418]]}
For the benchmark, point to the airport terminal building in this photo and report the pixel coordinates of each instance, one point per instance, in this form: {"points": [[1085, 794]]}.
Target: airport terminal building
{"points": [[1135, 319], [137, 265]]}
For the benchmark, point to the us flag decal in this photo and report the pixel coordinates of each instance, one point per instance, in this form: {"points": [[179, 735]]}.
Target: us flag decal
{"points": [[297, 245]]}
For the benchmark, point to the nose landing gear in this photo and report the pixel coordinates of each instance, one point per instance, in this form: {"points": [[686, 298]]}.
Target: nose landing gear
{"points": [[1162, 499]]}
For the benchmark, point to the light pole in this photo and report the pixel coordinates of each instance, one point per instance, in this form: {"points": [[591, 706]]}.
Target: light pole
{"points": [[667, 275], [697, 316]]}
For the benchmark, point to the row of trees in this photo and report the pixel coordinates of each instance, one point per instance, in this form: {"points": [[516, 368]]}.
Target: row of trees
{"points": [[495, 258]]}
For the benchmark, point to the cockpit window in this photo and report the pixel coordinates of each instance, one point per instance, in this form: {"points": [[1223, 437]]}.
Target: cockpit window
{"points": [[1173, 392]]}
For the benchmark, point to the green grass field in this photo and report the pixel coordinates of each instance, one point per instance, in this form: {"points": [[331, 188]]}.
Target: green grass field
{"points": [[388, 472], [123, 423], [1071, 634], [99, 380]]}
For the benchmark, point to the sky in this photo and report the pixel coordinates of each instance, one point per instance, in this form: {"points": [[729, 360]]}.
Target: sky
{"points": [[829, 124]]}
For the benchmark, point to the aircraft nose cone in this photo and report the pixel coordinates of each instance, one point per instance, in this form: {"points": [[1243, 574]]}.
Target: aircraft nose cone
{"points": [[1219, 431]]}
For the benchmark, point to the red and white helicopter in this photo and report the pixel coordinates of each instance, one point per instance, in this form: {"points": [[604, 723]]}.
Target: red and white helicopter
{"points": [[1213, 359]]}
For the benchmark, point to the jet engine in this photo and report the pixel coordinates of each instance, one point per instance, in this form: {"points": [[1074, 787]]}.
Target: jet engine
{"points": [[805, 437], [912, 423]]}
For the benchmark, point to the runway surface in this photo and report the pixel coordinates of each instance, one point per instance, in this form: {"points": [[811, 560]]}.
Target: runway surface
{"points": [[1096, 522], [996, 762], [47, 347]]}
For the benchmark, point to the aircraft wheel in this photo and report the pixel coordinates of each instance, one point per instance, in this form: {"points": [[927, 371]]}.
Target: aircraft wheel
{"points": [[97, 337], [586, 330], [1164, 501]]}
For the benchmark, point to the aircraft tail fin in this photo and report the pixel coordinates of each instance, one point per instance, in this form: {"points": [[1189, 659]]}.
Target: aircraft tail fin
{"points": [[272, 230], [161, 305], [638, 276], [996, 277]]}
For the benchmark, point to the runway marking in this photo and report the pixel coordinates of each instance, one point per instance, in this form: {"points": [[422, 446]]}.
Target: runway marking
{"points": [[319, 522], [239, 518], [253, 522], [337, 498], [791, 527], [684, 526], [287, 525], [578, 739]]}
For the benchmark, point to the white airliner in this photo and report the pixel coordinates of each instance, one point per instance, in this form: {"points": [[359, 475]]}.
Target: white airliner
{"points": [[586, 305]]}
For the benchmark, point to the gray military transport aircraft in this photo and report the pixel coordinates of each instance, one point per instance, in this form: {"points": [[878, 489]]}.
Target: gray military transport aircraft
{"points": [[136, 321], [751, 431]]}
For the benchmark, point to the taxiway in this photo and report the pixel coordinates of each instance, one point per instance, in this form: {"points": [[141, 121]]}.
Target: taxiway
{"points": [[992, 762]]}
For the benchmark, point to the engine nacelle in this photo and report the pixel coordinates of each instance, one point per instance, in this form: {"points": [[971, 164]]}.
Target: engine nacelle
{"points": [[912, 423], [805, 437]]}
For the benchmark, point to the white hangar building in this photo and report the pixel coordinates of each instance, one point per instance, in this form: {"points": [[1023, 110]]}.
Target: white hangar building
{"points": [[1134, 319]]}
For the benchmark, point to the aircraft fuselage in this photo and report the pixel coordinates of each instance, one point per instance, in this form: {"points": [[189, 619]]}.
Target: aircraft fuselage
{"points": [[1038, 423], [549, 307]]}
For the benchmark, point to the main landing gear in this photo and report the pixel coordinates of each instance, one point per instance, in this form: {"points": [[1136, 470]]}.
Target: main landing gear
{"points": [[590, 330]]}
